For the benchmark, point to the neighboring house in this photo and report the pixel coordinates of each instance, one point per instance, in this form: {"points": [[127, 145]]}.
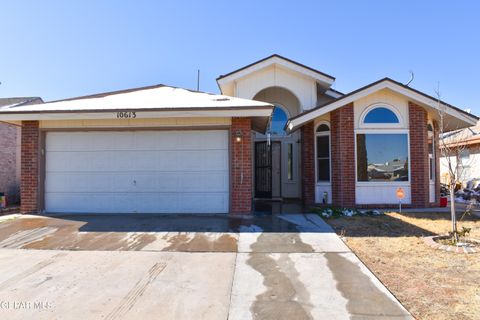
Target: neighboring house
{"points": [[164, 149], [464, 147], [10, 150]]}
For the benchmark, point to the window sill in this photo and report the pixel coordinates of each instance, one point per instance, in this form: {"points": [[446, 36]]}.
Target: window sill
{"points": [[386, 183]]}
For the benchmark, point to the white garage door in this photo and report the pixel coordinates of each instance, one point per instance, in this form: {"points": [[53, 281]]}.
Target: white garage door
{"points": [[137, 171]]}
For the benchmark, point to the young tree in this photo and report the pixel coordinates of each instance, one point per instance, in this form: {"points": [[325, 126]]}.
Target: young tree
{"points": [[452, 146]]}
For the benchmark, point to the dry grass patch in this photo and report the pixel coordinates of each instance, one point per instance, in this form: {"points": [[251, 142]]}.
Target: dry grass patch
{"points": [[431, 284]]}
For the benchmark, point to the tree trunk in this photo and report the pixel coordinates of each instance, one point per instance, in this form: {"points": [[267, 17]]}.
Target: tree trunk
{"points": [[452, 212]]}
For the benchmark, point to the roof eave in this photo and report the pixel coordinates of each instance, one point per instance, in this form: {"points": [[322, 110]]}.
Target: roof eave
{"points": [[295, 122]]}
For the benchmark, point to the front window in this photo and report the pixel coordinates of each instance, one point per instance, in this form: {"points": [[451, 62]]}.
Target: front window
{"points": [[290, 162], [464, 165], [382, 157], [278, 122], [323, 153], [431, 152]]}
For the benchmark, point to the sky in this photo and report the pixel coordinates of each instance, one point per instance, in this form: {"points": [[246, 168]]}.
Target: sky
{"points": [[61, 49]]}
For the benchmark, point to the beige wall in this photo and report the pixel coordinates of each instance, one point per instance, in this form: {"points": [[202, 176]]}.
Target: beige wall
{"points": [[302, 87], [140, 123]]}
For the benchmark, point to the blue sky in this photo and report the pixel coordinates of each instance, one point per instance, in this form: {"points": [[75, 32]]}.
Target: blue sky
{"points": [[59, 49]]}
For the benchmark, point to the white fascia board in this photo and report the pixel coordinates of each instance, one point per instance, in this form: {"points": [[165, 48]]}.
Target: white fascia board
{"points": [[333, 94], [275, 60], [8, 117], [434, 104], [293, 124]]}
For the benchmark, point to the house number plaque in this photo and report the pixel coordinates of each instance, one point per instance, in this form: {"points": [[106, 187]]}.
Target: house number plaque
{"points": [[126, 115]]}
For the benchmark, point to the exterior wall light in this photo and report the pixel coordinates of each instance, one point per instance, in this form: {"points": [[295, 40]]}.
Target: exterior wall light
{"points": [[238, 136]]}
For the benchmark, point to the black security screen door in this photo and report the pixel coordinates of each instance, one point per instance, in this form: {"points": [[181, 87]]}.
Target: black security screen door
{"points": [[263, 170]]}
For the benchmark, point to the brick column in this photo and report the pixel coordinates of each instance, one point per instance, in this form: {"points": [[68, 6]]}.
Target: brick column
{"points": [[308, 164], [241, 167], [343, 156], [418, 156], [29, 167]]}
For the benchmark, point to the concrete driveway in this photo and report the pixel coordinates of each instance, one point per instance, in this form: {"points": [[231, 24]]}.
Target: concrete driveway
{"points": [[287, 266]]}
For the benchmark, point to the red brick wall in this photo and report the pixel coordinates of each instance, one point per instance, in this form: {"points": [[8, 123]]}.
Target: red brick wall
{"points": [[29, 167], [343, 156], [241, 167], [308, 164], [418, 156]]}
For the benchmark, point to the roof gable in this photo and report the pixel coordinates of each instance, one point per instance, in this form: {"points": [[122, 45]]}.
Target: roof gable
{"points": [[464, 119], [291, 65]]}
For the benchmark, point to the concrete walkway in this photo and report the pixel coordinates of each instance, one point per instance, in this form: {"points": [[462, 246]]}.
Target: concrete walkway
{"points": [[288, 266]]}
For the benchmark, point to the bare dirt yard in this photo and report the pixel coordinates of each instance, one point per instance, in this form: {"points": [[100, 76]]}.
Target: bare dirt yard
{"points": [[431, 284]]}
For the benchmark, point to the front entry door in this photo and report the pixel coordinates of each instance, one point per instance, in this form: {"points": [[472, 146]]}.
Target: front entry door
{"points": [[267, 169]]}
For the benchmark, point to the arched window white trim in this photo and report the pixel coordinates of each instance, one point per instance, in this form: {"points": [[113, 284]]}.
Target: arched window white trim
{"points": [[431, 151], [393, 109], [323, 159]]}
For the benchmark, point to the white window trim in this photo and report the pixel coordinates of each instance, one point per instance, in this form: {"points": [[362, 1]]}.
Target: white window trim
{"points": [[294, 170], [383, 183], [399, 125], [322, 134], [432, 156]]}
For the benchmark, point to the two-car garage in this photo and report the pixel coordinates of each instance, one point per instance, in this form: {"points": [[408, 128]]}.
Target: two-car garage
{"points": [[155, 149], [137, 171]]}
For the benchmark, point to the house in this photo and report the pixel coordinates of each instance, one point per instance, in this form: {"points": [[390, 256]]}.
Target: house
{"points": [[10, 150], [348, 150], [277, 131], [463, 147]]}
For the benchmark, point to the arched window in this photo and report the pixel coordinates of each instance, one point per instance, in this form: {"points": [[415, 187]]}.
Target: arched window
{"points": [[431, 151], [278, 122], [381, 115], [322, 135], [382, 155]]}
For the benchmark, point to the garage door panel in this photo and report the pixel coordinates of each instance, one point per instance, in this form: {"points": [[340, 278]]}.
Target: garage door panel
{"points": [[146, 181], [211, 140], [209, 202], [200, 181], [82, 141], [204, 160], [89, 202], [138, 171], [133, 161], [139, 203]]}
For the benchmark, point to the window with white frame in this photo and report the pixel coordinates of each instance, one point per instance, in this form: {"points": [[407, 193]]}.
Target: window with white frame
{"points": [[290, 162], [464, 165], [382, 155], [431, 152], [322, 143]]}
